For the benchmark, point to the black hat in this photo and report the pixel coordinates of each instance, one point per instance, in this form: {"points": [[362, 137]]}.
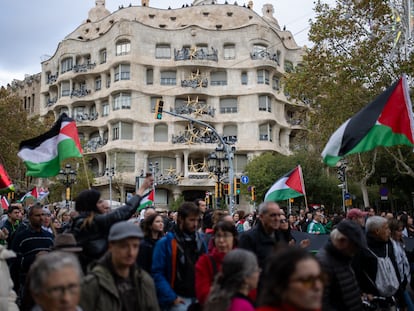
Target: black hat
{"points": [[86, 201], [353, 232]]}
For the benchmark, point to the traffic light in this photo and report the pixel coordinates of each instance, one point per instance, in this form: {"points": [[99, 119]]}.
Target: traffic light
{"points": [[341, 173], [253, 192], [236, 186], [226, 189], [159, 106]]}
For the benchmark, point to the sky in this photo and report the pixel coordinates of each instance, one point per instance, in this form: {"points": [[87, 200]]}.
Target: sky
{"points": [[31, 30]]}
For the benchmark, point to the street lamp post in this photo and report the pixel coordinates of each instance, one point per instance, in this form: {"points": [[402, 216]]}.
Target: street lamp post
{"points": [[67, 177], [218, 164], [110, 172]]}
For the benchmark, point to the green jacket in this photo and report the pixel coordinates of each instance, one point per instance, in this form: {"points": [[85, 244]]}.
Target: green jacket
{"points": [[99, 292]]}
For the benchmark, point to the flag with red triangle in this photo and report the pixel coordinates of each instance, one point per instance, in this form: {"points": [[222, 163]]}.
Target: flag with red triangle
{"points": [[43, 155], [387, 121], [4, 203], [6, 184], [147, 201], [289, 186]]}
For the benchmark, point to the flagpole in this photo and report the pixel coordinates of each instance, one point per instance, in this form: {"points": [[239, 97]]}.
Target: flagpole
{"points": [[86, 173], [303, 186]]}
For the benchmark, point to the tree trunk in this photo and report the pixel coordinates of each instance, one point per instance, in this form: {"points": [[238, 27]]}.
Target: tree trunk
{"points": [[364, 190]]}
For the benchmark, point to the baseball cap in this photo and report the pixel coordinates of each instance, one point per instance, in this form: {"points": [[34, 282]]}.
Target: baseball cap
{"points": [[124, 229], [355, 213], [353, 232]]}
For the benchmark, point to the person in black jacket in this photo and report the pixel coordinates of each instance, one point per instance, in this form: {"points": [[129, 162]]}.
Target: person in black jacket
{"points": [[263, 238], [342, 292], [91, 228]]}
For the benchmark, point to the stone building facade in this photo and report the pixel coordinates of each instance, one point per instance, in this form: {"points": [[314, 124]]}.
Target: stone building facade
{"points": [[221, 64]]}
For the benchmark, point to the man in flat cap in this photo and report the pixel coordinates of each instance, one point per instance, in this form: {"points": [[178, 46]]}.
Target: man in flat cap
{"points": [[115, 283], [342, 291]]}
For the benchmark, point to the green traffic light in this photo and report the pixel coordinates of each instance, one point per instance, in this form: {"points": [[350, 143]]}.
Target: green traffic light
{"points": [[159, 116]]}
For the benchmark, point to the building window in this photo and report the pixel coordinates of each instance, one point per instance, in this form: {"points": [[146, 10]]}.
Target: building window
{"points": [[63, 110], [289, 66], [102, 56], [228, 105], [161, 133], [244, 78], [123, 47], [163, 51], [202, 49], [98, 83], [108, 80], [122, 130], [65, 88], [230, 133], [265, 103], [265, 132], [229, 51], [259, 51], [275, 83], [105, 109], [124, 162], [168, 78], [263, 76], [218, 78], [122, 101], [150, 76], [122, 72], [66, 64], [240, 162]]}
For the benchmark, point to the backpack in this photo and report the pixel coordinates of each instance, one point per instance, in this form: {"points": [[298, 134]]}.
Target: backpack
{"points": [[386, 280]]}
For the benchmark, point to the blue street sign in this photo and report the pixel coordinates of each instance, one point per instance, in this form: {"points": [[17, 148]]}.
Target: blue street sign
{"points": [[347, 196], [244, 179]]}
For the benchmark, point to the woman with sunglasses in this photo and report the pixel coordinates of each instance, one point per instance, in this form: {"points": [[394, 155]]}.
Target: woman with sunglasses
{"points": [[292, 281]]}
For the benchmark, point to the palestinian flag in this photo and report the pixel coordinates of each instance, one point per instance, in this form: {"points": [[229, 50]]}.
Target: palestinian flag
{"points": [[289, 186], [4, 203], [147, 201], [387, 121], [33, 194], [5, 182], [43, 155]]}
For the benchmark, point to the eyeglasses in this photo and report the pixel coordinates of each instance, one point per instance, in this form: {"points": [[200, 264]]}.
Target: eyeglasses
{"points": [[59, 291], [283, 221], [310, 281]]}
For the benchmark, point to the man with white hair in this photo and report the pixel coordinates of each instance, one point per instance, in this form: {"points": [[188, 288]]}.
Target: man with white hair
{"points": [[263, 238], [375, 266]]}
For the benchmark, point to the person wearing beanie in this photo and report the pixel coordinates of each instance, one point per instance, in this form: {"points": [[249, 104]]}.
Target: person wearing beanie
{"points": [[116, 282], [91, 227], [342, 291]]}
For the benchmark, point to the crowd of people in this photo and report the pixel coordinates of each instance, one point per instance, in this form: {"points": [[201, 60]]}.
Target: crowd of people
{"points": [[95, 258]]}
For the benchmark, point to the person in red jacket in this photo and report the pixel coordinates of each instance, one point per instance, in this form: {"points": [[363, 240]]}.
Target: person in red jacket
{"points": [[208, 265], [292, 281]]}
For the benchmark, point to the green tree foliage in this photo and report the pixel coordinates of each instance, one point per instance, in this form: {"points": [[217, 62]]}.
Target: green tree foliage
{"points": [[15, 127], [355, 56], [265, 169]]}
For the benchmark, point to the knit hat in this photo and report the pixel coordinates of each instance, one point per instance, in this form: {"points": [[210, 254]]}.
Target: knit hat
{"points": [[353, 232], [86, 201], [124, 229]]}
